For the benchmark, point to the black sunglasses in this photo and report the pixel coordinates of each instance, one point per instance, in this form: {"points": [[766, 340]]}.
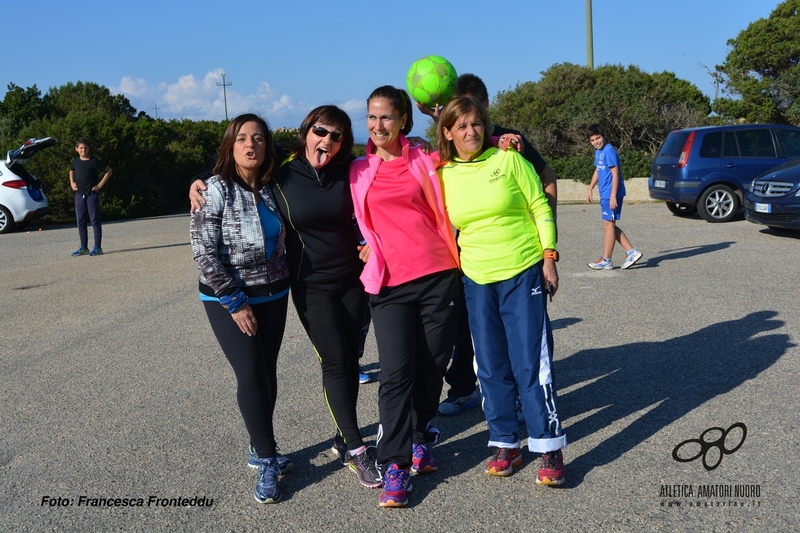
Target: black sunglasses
{"points": [[319, 131]]}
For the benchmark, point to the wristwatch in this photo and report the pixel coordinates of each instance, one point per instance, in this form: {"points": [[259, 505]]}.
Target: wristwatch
{"points": [[552, 254]]}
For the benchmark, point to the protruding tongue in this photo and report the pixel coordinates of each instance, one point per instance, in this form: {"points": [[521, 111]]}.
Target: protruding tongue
{"points": [[320, 158]]}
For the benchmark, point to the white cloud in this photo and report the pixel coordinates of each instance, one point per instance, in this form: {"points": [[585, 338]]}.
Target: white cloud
{"points": [[193, 96], [354, 107], [204, 99], [130, 87]]}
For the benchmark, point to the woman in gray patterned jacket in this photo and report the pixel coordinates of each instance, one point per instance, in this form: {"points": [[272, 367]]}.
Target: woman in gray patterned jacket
{"points": [[238, 245]]}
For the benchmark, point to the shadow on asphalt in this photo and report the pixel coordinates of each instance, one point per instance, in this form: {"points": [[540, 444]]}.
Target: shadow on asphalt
{"points": [[308, 470], [126, 250], [561, 323], [739, 216], [780, 232], [624, 380], [620, 382], [683, 253]]}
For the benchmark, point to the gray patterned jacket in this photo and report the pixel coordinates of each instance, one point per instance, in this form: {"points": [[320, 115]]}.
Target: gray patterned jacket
{"points": [[228, 242]]}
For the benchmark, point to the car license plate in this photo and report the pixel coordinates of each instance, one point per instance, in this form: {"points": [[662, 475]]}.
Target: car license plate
{"points": [[660, 184], [763, 208]]}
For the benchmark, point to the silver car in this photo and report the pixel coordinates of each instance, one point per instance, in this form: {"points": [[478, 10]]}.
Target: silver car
{"points": [[21, 196]]}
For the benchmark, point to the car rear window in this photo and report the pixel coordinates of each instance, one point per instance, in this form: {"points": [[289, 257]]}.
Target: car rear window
{"points": [[674, 144], [712, 145]]}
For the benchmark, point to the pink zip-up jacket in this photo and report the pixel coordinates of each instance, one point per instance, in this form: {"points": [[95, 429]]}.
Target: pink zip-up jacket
{"points": [[423, 168]]}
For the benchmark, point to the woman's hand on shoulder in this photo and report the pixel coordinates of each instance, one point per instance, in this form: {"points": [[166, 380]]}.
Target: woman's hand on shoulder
{"points": [[510, 140], [195, 195], [427, 147]]}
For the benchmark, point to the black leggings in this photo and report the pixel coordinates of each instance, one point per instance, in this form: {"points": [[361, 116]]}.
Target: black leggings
{"points": [[332, 313], [254, 361], [461, 374]]}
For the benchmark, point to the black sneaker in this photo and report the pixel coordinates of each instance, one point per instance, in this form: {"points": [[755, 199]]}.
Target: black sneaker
{"points": [[366, 468], [340, 449]]}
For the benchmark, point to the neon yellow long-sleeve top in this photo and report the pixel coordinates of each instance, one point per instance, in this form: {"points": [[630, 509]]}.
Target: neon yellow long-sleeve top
{"points": [[497, 203]]}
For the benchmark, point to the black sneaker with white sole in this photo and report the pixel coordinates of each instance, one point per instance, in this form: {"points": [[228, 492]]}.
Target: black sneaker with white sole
{"points": [[365, 467]]}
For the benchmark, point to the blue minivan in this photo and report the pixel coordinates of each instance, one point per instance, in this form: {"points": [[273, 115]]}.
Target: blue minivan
{"points": [[708, 169]]}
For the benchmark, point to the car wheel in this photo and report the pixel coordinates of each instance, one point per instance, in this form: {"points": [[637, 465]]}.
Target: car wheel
{"points": [[6, 220], [718, 203], [681, 210]]}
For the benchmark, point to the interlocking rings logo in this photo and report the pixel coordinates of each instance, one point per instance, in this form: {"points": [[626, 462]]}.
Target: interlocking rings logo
{"points": [[706, 446]]}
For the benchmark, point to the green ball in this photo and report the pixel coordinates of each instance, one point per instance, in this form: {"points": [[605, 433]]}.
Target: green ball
{"points": [[431, 81]]}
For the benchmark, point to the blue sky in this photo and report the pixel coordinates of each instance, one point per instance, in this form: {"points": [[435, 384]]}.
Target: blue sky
{"points": [[284, 58]]}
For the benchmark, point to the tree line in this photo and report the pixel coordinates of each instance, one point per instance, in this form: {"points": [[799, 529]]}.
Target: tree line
{"points": [[154, 159], [759, 82]]}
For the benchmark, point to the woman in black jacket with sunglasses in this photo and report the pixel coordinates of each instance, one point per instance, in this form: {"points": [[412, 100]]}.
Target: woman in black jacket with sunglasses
{"points": [[312, 189]]}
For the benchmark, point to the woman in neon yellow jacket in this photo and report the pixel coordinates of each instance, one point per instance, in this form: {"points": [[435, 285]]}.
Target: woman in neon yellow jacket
{"points": [[508, 254]]}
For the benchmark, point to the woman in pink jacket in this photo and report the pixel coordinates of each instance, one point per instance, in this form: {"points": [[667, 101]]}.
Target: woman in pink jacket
{"points": [[412, 278]]}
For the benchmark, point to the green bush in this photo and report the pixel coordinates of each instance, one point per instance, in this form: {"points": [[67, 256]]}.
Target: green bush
{"points": [[576, 167], [635, 164]]}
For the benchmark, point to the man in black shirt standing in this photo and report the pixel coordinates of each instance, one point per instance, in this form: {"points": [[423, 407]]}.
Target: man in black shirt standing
{"points": [[83, 180]]}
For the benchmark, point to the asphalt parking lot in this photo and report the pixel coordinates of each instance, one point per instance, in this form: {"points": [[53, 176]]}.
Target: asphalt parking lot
{"points": [[113, 386]]}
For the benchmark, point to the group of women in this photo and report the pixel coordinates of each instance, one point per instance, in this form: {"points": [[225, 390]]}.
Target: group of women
{"points": [[270, 224]]}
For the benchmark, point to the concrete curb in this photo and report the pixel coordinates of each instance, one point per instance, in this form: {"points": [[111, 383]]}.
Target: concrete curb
{"points": [[574, 192]]}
